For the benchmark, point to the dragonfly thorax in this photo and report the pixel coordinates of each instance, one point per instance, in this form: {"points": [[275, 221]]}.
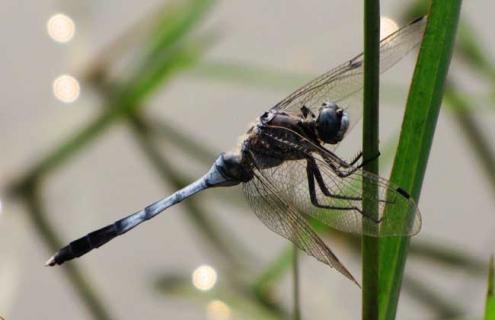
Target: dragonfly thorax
{"points": [[332, 123]]}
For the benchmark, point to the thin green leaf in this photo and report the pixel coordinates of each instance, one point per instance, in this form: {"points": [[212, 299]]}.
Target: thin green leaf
{"points": [[416, 137]]}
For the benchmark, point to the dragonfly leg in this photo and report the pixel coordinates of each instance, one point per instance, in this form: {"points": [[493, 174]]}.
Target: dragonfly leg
{"points": [[337, 163], [324, 188], [352, 167], [306, 111], [314, 173], [346, 173], [356, 159], [351, 164]]}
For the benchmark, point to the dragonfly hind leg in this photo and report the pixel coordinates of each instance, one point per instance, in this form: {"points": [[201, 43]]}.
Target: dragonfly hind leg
{"points": [[313, 173]]}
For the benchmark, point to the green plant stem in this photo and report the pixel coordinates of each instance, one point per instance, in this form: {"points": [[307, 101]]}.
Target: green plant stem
{"points": [[417, 132], [370, 151], [80, 283]]}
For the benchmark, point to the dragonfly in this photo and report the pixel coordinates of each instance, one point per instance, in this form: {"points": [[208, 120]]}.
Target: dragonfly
{"points": [[290, 173]]}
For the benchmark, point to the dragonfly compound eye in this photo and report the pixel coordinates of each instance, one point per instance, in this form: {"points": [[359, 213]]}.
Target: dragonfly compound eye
{"points": [[332, 123]]}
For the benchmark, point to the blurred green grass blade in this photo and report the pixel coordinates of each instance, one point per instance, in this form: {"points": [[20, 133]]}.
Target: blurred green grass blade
{"points": [[80, 281], [250, 75], [473, 131], [369, 245], [152, 75], [185, 141], [490, 293], [170, 54], [179, 18], [218, 237], [274, 272], [446, 256], [443, 306], [162, 28], [472, 52], [131, 99], [416, 137]]}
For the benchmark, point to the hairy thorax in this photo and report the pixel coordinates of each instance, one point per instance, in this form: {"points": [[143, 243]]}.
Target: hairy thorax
{"points": [[271, 141]]}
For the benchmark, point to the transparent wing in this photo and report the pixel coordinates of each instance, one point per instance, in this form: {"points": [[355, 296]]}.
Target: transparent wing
{"points": [[347, 79], [341, 206], [273, 209]]}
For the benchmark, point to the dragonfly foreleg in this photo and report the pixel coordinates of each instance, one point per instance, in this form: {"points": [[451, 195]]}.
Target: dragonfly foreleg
{"points": [[344, 173], [356, 159], [350, 167], [305, 111]]}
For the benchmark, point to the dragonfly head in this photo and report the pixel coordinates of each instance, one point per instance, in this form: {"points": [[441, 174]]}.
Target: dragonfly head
{"points": [[332, 123]]}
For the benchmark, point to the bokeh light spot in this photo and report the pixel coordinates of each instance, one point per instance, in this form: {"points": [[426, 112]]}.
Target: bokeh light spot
{"points": [[61, 28], [387, 26], [204, 278], [66, 88], [218, 310]]}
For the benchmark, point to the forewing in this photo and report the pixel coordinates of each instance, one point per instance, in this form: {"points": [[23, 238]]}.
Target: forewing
{"points": [[401, 218], [346, 80], [269, 204]]}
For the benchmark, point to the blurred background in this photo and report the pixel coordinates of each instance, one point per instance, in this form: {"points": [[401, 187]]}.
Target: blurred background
{"points": [[109, 106]]}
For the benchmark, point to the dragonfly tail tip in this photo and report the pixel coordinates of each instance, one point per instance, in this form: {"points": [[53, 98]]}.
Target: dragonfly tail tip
{"points": [[50, 262]]}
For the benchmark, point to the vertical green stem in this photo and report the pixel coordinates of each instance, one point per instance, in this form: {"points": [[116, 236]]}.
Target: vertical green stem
{"points": [[370, 151], [418, 127], [295, 280]]}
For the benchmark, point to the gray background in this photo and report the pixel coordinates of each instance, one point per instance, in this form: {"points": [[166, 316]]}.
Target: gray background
{"points": [[111, 178]]}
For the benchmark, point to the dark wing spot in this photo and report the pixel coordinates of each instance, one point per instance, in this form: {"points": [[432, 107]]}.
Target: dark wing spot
{"points": [[403, 193], [356, 64], [416, 20]]}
